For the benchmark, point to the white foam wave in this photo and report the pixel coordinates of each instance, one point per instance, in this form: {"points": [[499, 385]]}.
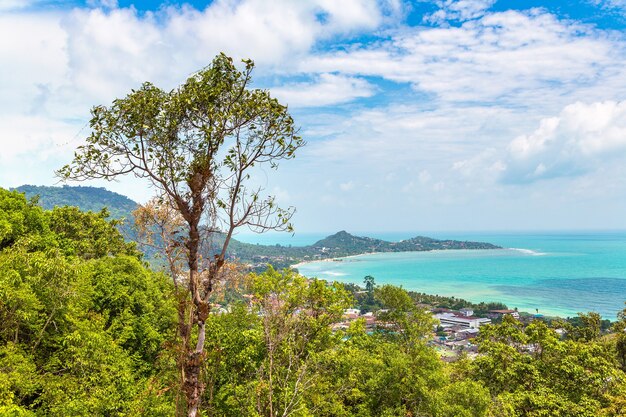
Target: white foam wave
{"points": [[333, 274], [529, 251]]}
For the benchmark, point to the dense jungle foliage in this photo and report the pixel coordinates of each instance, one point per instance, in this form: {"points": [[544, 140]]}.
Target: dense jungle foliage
{"points": [[87, 329]]}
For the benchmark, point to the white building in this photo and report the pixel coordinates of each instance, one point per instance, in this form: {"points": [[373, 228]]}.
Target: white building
{"points": [[452, 319], [502, 313]]}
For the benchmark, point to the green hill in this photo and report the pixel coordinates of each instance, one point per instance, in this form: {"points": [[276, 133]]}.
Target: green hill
{"points": [[85, 198], [338, 245], [344, 244]]}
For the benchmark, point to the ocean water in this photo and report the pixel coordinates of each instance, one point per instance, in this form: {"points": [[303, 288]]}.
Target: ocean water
{"points": [[555, 273]]}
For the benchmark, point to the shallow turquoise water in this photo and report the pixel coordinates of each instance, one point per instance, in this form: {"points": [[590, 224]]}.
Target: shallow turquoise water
{"points": [[556, 273]]}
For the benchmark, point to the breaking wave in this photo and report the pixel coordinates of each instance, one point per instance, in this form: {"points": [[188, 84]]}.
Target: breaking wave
{"points": [[529, 252], [333, 273]]}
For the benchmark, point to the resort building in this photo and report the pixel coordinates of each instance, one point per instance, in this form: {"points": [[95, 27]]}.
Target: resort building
{"points": [[495, 314], [461, 320]]}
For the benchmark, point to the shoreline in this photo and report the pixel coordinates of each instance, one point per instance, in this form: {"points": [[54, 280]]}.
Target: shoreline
{"points": [[475, 286], [340, 258]]}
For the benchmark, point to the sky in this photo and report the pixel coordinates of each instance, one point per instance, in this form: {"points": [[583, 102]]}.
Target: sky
{"points": [[429, 115]]}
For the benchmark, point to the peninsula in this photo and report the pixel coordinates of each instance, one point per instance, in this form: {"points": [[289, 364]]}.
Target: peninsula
{"points": [[338, 245]]}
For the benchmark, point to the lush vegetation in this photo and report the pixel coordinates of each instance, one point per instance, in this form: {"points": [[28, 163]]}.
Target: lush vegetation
{"points": [[365, 301], [86, 198], [86, 329], [83, 322]]}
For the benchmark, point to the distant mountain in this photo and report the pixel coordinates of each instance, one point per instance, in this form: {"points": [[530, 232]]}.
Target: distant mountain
{"points": [[344, 244], [338, 245], [85, 198]]}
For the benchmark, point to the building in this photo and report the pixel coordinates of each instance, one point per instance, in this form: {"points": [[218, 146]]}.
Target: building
{"points": [[467, 333], [351, 314], [459, 319], [496, 314]]}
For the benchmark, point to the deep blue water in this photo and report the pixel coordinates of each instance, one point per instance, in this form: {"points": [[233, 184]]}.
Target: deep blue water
{"points": [[557, 273]]}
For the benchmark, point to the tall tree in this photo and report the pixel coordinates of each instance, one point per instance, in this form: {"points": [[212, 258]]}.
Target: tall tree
{"points": [[369, 283], [619, 328], [196, 145]]}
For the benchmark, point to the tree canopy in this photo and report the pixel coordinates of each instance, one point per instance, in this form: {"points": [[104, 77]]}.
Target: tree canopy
{"points": [[197, 146], [82, 320]]}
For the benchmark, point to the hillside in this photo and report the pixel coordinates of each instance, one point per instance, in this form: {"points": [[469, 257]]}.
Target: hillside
{"points": [[86, 198], [343, 244], [340, 244]]}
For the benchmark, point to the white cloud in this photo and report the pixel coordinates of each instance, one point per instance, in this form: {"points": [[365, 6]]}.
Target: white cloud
{"points": [[410, 136], [89, 56], [58, 63], [7, 5], [460, 10], [281, 195], [353, 14], [424, 176], [512, 58], [35, 137], [32, 146], [445, 101], [346, 186], [31, 52], [480, 167], [618, 5], [327, 89], [439, 186], [273, 32], [109, 4], [582, 138]]}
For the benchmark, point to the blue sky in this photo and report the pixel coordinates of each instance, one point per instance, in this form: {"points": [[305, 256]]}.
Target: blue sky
{"points": [[423, 115]]}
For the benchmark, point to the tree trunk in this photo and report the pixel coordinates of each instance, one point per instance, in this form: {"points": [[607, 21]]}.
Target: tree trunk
{"points": [[200, 308], [193, 355], [193, 387]]}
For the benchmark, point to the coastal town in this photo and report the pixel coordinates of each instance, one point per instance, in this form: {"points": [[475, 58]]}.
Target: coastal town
{"points": [[453, 330], [452, 333]]}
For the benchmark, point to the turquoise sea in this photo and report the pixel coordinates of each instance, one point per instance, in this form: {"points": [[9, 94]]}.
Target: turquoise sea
{"points": [[556, 273]]}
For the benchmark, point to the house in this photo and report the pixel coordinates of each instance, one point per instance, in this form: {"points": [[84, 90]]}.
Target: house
{"points": [[370, 319], [467, 333], [351, 313]]}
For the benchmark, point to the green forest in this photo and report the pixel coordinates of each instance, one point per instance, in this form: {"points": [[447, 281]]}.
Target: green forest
{"points": [[88, 329], [84, 197]]}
